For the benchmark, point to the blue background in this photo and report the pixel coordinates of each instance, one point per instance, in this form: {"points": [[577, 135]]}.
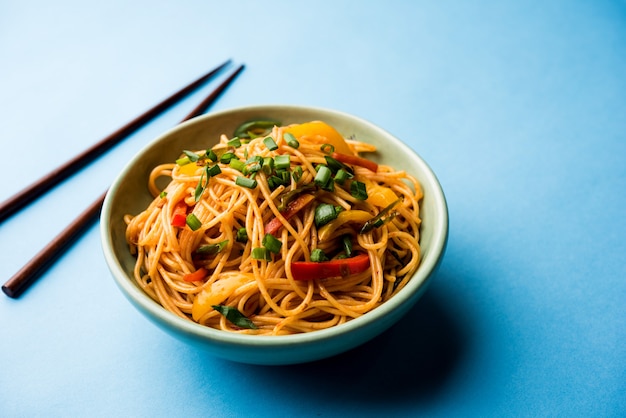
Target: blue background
{"points": [[520, 109]]}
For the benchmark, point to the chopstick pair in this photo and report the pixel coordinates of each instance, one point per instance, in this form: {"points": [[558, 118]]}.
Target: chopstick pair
{"points": [[17, 284]]}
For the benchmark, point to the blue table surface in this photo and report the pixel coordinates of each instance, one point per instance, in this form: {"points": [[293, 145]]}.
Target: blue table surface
{"points": [[519, 108]]}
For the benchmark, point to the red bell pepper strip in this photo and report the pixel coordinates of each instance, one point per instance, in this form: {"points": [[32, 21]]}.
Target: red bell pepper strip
{"points": [[293, 207], [354, 160], [179, 217], [311, 270], [197, 275]]}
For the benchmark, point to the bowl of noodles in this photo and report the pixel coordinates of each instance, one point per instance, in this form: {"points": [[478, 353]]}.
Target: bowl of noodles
{"points": [[274, 234]]}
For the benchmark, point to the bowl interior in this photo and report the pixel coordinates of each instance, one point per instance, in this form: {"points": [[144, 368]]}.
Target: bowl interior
{"points": [[129, 195]]}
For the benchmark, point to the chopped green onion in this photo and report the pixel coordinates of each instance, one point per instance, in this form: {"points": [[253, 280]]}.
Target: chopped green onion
{"points": [[255, 128], [235, 316], [327, 148], [213, 171], [346, 240], [193, 157], [163, 194], [201, 185], [270, 143], [211, 155], [291, 140], [358, 190], [183, 161], [261, 253], [376, 220], [272, 243], [318, 255], [211, 249], [297, 173], [324, 213], [245, 182], [323, 176], [336, 165], [193, 222], [268, 165], [237, 165], [342, 176], [282, 161], [255, 159], [235, 142], [226, 157], [242, 235]]}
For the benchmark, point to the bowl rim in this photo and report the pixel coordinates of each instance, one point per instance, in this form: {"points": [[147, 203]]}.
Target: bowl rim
{"points": [[418, 282]]}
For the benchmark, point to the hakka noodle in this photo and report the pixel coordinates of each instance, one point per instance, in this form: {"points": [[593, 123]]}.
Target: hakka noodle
{"points": [[277, 230]]}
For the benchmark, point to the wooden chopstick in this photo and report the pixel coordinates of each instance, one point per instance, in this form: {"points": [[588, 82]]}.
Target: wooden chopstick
{"points": [[17, 284], [47, 182]]}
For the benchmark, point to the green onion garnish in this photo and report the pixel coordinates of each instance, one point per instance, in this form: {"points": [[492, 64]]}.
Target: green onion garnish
{"points": [[324, 213], [342, 176], [318, 255], [261, 253], [235, 142], [270, 143], [245, 182], [163, 194], [358, 190], [211, 155], [226, 157], [297, 173], [193, 157], [377, 220], [201, 185], [211, 249], [214, 170], [235, 316], [193, 222], [268, 165], [327, 148], [183, 161], [323, 176], [237, 165], [282, 161], [346, 240], [272, 243], [291, 140], [242, 235], [255, 128]]}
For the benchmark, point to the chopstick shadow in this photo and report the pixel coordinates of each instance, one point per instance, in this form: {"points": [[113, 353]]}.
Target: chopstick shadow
{"points": [[411, 361]]}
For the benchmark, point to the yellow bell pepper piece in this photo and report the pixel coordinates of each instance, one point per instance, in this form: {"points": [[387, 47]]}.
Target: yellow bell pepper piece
{"points": [[188, 169], [321, 133], [359, 216], [218, 292], [379, 196]]}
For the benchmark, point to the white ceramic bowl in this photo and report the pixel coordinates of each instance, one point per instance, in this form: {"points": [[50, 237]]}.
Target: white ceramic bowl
{"points": [[129, 195]]}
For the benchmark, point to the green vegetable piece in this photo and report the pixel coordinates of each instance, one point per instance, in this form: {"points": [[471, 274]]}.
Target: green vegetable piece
{"points": [[212, 249], [235, 316], [242, 235], [272, 243], [291, 140], [358, 190], [270, 143], [282, 161], [261, 253], [324, 213], [245, 182], [193, 222], [255, 128], [318, 255]]}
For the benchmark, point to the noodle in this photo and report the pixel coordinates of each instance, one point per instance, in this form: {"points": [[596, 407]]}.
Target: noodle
{"points": [[249, 232]]}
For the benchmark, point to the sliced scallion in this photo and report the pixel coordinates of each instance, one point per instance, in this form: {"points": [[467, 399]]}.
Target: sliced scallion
{"points": [[342, 176], [237, 165], [183, 161], [211, 249], [282, 161], [242, 235], [358, 190], [270, 143], [235, 142], [193, 222], [245, 182], [211, 155], [268, 165], [235, 316], [272, 243], [226, 157], [291, 140], [213, 170], [193, 157], [323, 176], [327, 148], [261, 253], [318, 255]]}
